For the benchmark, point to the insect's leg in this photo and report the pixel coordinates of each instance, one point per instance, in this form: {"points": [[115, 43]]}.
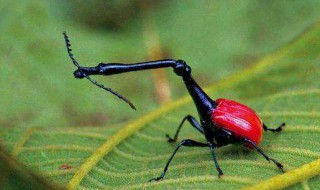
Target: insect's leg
{"points": [[214, 157], [192, 121], [186, 142], [278, 129], [280, 166]]}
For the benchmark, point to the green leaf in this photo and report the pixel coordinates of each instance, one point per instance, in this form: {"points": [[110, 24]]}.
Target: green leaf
{"points": [[50, 152], [282, 87], [14, 176]]}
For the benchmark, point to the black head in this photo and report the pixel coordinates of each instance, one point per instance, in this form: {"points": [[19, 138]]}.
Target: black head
{"points": [[79, 74]]}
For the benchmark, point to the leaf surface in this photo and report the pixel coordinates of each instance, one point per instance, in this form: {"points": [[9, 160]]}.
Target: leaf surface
{"points": [[282, 87]]}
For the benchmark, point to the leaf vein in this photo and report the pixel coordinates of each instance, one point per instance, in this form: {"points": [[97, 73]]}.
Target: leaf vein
{"points": [[22, 141]]}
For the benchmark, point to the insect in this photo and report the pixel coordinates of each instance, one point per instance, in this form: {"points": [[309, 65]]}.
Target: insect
{"points": [[222, 121]]}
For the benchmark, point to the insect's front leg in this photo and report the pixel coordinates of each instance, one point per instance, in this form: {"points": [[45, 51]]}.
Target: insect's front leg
{"points": [[192, 121], [186, 142]]}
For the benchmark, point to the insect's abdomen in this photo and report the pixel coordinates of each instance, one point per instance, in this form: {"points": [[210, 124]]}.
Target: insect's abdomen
{"points": [[239, 119]]}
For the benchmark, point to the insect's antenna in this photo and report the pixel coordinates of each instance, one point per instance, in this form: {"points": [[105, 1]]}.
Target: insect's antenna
{"points": [[111, 91], [68, 44]]}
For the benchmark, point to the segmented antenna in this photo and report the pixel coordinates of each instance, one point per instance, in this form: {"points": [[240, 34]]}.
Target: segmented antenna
{"points": [[75, 63]]}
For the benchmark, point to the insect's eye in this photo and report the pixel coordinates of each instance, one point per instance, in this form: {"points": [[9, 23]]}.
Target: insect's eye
{"points": [[79, 74]]}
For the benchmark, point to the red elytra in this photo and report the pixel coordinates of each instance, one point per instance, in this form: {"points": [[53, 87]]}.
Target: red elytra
{"points": [[239, 119]]}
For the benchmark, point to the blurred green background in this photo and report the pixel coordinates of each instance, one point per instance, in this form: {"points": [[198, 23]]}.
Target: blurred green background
{"points": [[216, 38]]}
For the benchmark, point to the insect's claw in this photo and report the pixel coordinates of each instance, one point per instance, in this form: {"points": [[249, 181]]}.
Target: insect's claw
{"points": [[130, 103], [169, 139], [279, 165], [220, 173], [157, 178]]}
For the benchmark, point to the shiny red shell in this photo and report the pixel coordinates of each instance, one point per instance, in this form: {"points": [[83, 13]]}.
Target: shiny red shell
{"points": [[239, 119]]}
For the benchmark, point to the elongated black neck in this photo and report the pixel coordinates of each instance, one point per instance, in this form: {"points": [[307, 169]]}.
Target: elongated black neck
{"points": [[203, 102], [117, 68]]}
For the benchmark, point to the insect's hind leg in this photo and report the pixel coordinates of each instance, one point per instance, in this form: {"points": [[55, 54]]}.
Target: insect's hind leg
{"points": [[192, 121], [280, 166], [186, 142], [278, 129]]}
